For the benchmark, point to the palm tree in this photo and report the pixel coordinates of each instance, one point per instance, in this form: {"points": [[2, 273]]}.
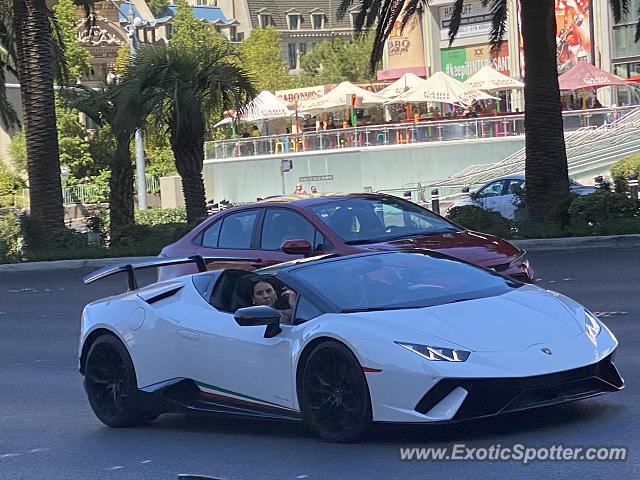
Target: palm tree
{"points": [[546, 159], [99, 105], [8, 115], [181, 87], [26, 39]]}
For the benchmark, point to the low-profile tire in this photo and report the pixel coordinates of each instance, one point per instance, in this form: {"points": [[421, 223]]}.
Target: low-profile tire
{"points": [[334, 395], [111, 386]]}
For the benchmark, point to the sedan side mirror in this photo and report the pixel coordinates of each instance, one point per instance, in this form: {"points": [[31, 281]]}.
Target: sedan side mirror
{"points": [[297, 247], [259, 315]]}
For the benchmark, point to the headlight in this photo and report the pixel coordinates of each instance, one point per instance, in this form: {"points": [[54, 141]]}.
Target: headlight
{"points": [[592, 326], [518, 260], [436, 353]]}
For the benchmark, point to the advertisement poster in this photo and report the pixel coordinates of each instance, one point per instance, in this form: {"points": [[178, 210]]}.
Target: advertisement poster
{"points": [[462, 62], [475, 20], [573, 38], [405, 46]]}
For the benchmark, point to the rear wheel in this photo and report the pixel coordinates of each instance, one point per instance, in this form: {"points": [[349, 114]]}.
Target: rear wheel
{"points": [[111, 386], [334, 396]]}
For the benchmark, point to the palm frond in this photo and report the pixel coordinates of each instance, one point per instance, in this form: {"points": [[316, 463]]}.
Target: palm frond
{"points": [[456, 20], [60, 63], [620, 9], [500, 13]]}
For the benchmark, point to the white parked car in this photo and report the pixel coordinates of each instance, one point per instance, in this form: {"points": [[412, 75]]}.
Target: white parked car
{"points": [[409, 336], [500, 195]]}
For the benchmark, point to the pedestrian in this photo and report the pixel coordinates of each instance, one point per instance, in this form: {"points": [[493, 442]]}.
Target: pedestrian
{"points": [[299, 190], [314, 189]]}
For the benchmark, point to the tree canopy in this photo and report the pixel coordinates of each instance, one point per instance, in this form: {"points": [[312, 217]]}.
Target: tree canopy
{"points": [[260, 55], [333, 61]]}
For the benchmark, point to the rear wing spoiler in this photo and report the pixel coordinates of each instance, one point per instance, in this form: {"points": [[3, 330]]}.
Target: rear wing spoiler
{"points": [[130, 268]]}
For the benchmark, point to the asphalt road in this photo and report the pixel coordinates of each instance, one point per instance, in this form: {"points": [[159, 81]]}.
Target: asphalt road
{"points": [[47, 430]]}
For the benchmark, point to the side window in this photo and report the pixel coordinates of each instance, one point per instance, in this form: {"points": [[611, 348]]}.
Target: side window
{"points": [[211, 235], [305, 311], [492, 190], [321, 244], [281, 225], [514, 184], [237, 229]]}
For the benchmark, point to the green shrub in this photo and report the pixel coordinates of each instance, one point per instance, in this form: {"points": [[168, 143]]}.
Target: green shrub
{"points": [[148, 239], [11, 241], [621, 170], [158, 216], [604, 213], [480, 220]]}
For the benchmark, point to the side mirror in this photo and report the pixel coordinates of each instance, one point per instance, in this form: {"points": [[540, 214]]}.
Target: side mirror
{"points": [[259, 315], [297, 247]]}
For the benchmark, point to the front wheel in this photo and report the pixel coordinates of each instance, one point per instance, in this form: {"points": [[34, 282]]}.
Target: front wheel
{"points": [[110, 383], [334, 397]]}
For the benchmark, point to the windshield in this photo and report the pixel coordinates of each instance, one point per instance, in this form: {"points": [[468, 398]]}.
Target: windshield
{"points": [[398, 280], [370, 220]]}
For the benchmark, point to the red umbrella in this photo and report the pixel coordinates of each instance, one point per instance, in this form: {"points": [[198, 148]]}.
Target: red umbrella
{"points": [[585, 75]]}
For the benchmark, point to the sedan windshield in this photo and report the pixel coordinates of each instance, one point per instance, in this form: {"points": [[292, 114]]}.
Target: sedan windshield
{"points": [[395, 280], [371, 220]]}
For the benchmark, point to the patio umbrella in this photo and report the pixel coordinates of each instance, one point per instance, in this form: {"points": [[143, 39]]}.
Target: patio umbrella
{"points": [[490, 80], [584, 75], [404, 83], [266, 106], [444, 89], [336, 98]]}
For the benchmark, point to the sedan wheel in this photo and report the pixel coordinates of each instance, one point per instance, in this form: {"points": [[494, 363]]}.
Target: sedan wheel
{"points": [[335, 398]]}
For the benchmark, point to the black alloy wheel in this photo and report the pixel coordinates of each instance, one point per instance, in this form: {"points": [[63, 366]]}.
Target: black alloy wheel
{"points": [[334, 395], [110, 383]]}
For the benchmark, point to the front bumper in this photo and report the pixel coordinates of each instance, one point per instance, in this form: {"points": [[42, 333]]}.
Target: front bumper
{"points": [[492, 396]]}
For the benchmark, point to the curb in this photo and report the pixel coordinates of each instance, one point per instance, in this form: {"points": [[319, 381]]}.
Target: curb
{"points": [[577, 243], [67, 264], [535, 245]]}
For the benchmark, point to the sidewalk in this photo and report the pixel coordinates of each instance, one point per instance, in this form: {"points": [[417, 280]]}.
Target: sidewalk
{"points": [[536, 245]]}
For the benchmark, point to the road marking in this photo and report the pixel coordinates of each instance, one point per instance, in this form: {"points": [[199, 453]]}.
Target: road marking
{"points": [[302, 476], [608, 314], [38, 450], [145, 462], [26, 290], [9, 455], [117, 467]]}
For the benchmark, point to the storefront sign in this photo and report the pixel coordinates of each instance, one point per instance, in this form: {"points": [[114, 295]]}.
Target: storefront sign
{"points": [[296, 95], [316, 178], [461, 63], [476, 20]]}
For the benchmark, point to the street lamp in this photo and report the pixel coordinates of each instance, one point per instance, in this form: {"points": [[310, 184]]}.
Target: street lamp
{"points": [[133, 23]]}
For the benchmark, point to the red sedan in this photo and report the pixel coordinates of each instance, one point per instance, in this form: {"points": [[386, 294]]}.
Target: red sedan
{"points": [[285, 228]]}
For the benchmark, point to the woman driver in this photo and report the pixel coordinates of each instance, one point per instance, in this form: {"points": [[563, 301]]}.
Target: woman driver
{"points": [[264, 293]]}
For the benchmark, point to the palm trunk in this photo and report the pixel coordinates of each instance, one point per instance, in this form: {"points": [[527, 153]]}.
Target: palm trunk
{"points": [[189, 160], [35, 67], [546, 170], [121, 186]]}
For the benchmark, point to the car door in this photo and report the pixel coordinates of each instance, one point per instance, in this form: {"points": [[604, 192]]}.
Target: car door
{"points": [[235, 364], [282, 224], [490, 196], [234, 235], [509, 202]]}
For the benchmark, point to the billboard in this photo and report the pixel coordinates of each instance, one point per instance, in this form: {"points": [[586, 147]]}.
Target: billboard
{"points": [[573, 37], [405, 46], [462, 62]]}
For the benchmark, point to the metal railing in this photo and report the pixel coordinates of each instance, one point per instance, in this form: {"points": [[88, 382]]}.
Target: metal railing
{"points": [[586, 148], [86, 193], [401, 133]]}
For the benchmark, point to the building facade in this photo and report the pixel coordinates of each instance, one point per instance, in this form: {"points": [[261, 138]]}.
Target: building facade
{"points": [[300, 24]]}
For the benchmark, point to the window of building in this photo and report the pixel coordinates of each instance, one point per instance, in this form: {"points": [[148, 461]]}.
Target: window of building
{"points": [[295, 20], [233, 33], [302, 49], [202, 3], [317, 21], [266, 20], [292, 56], [353, 16], [169, 31]]}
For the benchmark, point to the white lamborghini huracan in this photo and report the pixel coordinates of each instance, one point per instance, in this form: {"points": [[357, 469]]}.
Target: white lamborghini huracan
{"points": [[411, 336]]}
